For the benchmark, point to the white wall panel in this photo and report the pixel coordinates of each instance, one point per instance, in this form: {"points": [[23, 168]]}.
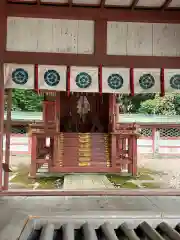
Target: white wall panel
{"points": [[50, 35], [139, 39], [174, 3], [117, 38], [20, 36], [143, 39], [150, 3], [85, 40], [166, 38], [86, 2], [54, 1], [119, 2]]}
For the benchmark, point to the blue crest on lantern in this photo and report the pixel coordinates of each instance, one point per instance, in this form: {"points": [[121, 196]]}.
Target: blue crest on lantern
{"points": [[175, 81], [115, 81], [83, 80], [52, 78], [20, 76], [146, 81]]}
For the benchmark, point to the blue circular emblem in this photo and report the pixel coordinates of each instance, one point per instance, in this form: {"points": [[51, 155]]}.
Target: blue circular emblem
{"points": [[20, 76], [52, 78], [146, 81], [83, 80], [175, 81], [115, 81]]}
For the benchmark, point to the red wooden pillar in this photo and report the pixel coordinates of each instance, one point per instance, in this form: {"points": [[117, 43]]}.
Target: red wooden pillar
{"points": [[1, 131], [130, 155], [134, 146], [113, 150], [33, 156], [110, 113], [3, 27], [49, 112], [57, 106], [51, 116], [8, 137], [112, 128], [114, 112]]}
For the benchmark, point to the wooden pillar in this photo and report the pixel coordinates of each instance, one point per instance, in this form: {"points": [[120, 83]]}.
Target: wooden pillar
{"points": [[114, 112], [3, 27], [134, 143], [8, 137], [58, 141], [57, 106], [110, 114], [117, 111], [100, 32], [1, 131], [130, 154], [33, 156], [113, 150], [111, 129]]}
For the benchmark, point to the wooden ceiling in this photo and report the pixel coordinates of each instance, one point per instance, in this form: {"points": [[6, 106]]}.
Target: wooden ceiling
{"points": [[129, 4]]}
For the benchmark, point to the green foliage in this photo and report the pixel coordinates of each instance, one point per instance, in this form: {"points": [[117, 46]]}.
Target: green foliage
{"points": [[26, 100], [131, 104], [166, 105], [177, 103], [150, 104]]}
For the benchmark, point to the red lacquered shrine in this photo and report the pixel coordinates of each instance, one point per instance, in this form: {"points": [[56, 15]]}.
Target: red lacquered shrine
{"points": [[79, 55]]}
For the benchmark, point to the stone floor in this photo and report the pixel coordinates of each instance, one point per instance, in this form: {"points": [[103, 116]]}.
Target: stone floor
{"points": [[15, 210], [86, 182]]}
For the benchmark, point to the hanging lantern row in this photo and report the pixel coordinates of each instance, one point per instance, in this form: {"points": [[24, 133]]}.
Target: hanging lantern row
{"points": [[92, 79]]}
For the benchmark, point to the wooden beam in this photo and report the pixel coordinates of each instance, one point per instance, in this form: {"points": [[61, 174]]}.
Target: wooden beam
{"points": [[166, 4], [58, 111], [86, 13], [102, 3], [70, 2], [100, 38], [8, 137], [38, 2], [92, 60], [134, 3]]}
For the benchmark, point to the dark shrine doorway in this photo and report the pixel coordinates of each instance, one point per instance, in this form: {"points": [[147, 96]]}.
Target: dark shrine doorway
{"points": [[83, 112]]}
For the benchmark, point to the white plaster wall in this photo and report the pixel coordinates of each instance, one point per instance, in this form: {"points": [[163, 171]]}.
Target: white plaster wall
{"points": [[139, 39], [143, 39], [150, 3], [166, 39], [50, 35], [118, 3], [117, 38]]}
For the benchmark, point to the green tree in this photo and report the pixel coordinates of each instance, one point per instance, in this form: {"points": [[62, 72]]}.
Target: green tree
{"points": [[150, 104], [167, 105], [26, 100], [131, 104], [177, 103]]}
